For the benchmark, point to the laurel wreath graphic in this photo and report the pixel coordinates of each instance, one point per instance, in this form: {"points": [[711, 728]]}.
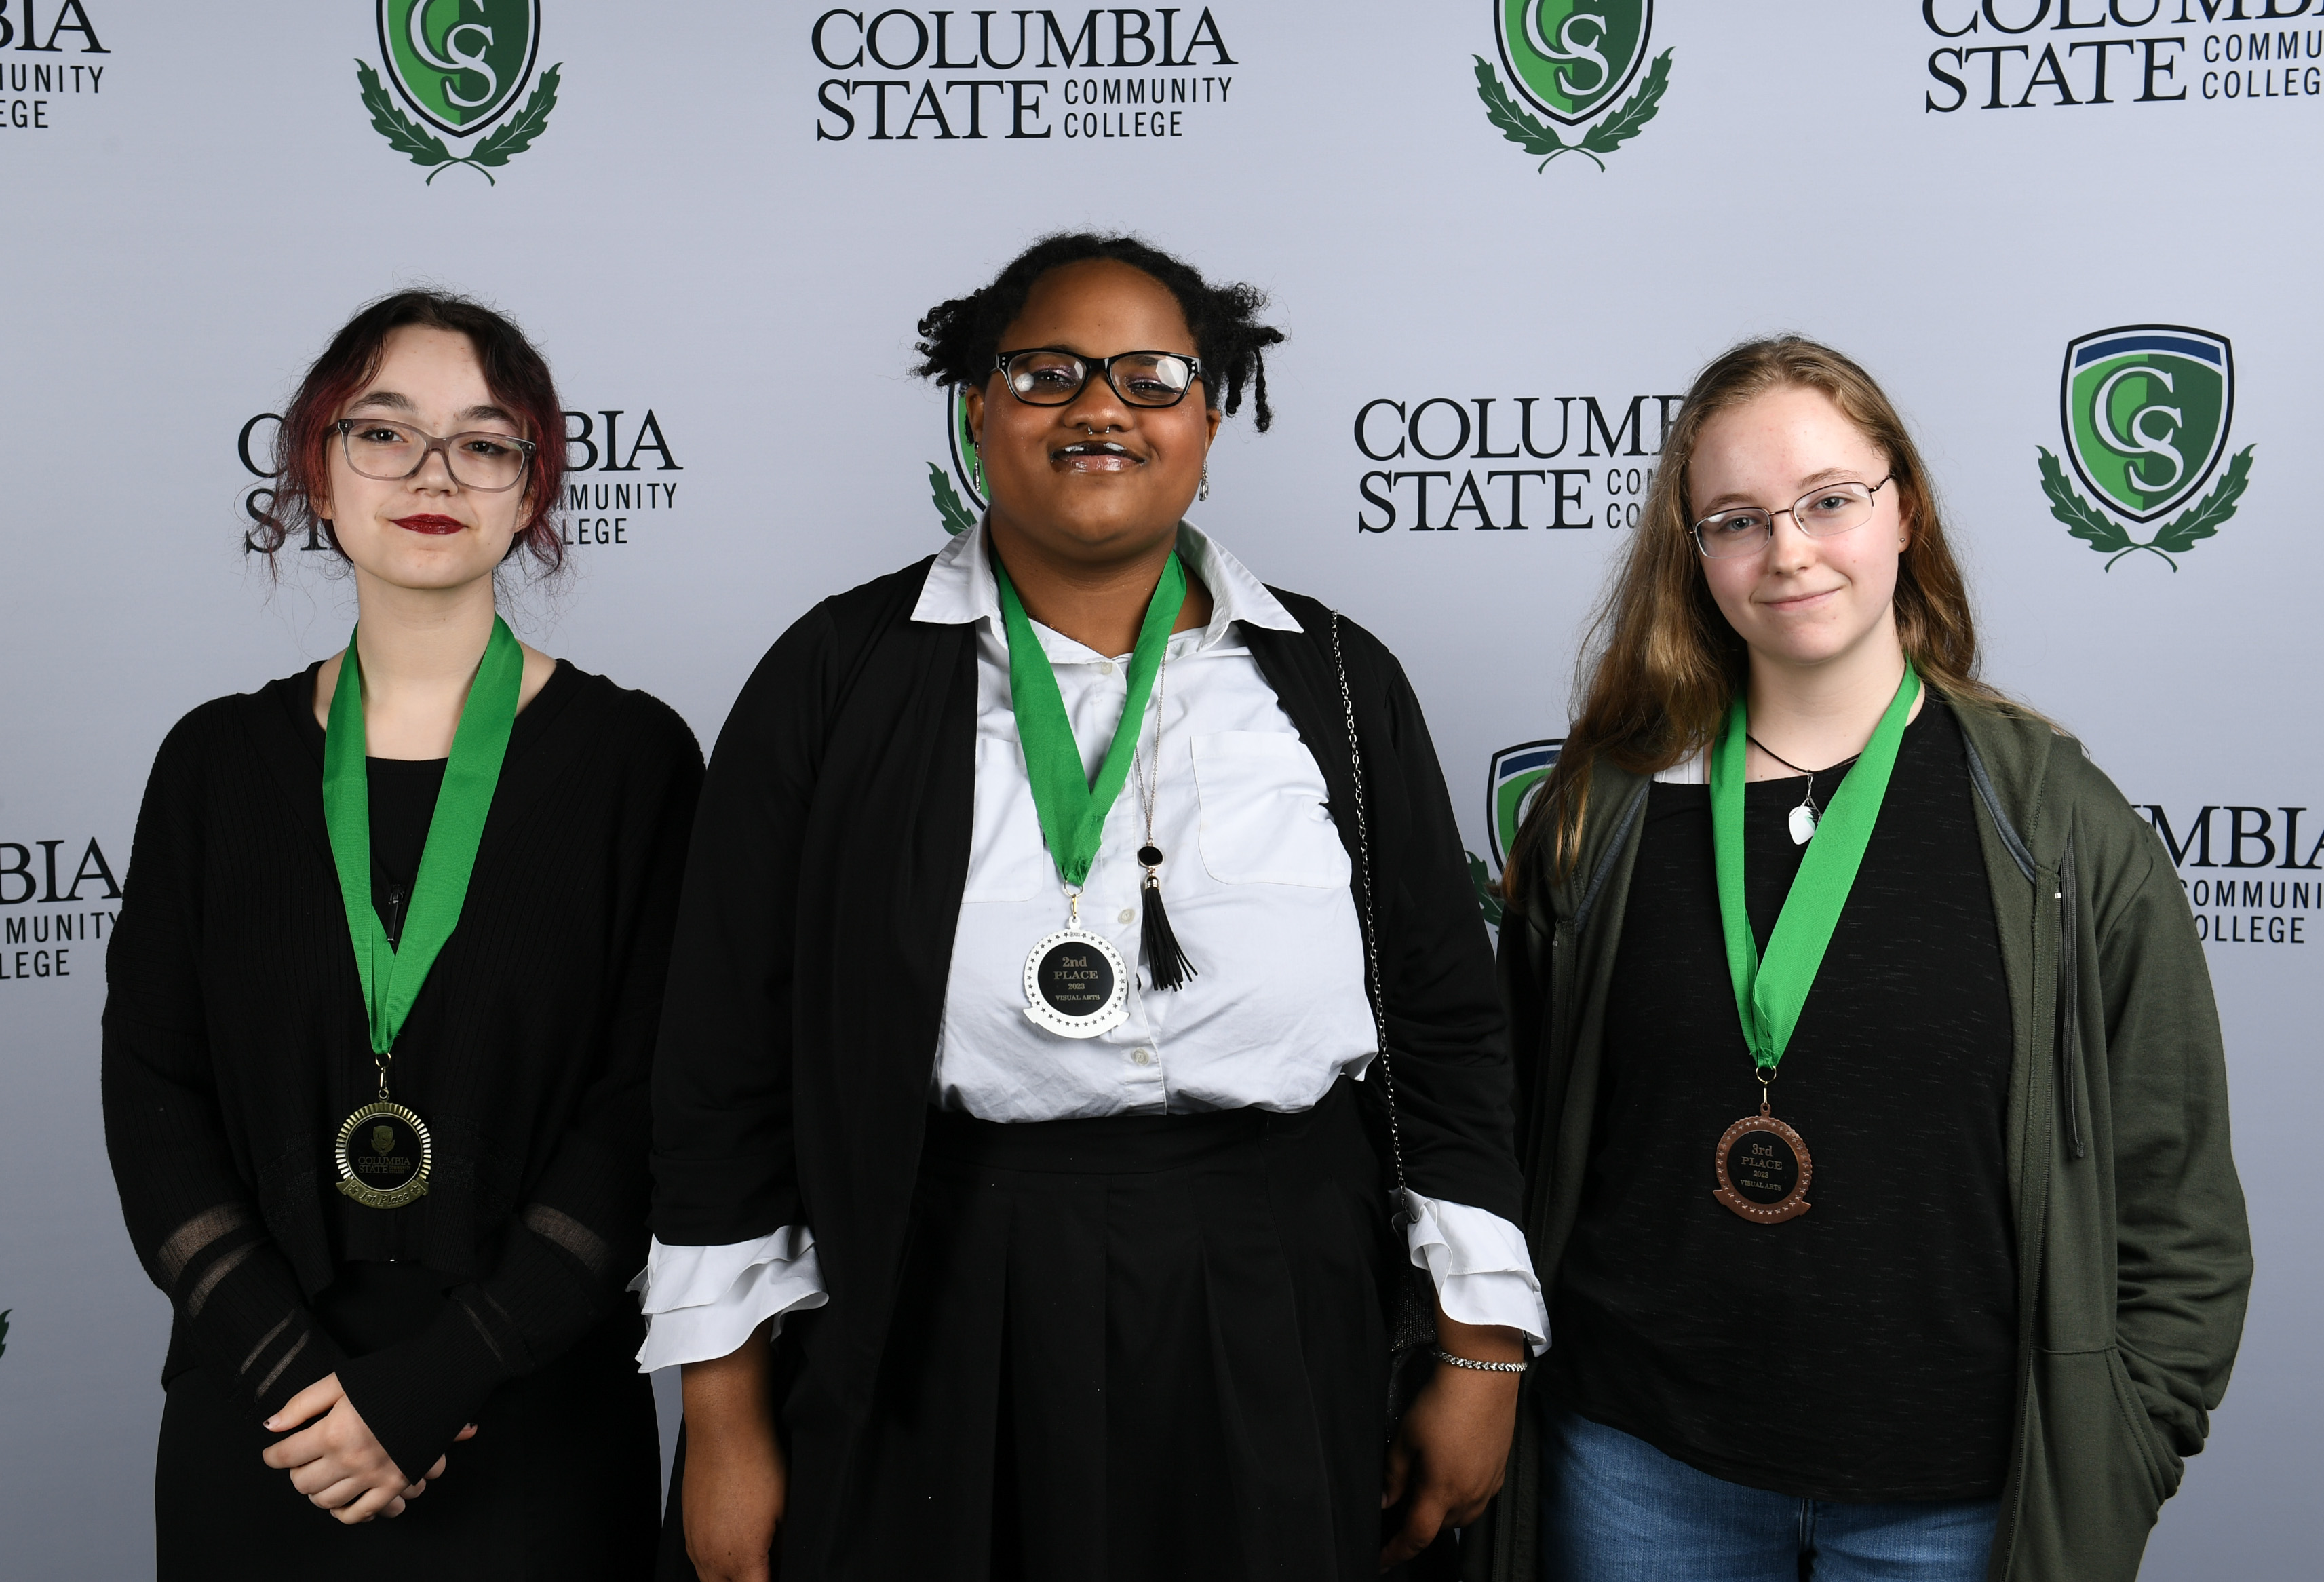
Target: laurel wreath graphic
{"points": [[2108, 537], [1534, 136], [407, 136], [957, 517], [1487, 901]]}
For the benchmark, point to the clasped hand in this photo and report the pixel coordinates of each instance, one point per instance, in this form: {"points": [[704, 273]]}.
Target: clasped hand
{"points": [[1452, 1449], [336, 1462]]}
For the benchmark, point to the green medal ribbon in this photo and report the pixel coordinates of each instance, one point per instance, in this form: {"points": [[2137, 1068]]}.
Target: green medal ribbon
{"points": [[1072, 810], [1769, 994], [391, 975]]}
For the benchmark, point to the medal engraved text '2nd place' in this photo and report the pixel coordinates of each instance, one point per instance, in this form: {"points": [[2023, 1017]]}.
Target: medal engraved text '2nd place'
{"points": [[1075, 981]]}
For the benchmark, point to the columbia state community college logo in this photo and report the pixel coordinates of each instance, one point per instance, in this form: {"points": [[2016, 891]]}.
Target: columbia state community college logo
{"points": [[1570, 59], [459, 65], [2144, 411], [1512, 781], [959, 509]]}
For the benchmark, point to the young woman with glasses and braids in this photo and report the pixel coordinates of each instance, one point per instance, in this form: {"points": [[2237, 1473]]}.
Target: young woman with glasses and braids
{"points": [[1871, 1092], [1017, 1212], [381, 1004]]}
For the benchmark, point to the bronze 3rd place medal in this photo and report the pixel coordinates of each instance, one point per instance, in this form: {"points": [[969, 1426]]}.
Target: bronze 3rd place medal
{"points": [[1762, 1164]]}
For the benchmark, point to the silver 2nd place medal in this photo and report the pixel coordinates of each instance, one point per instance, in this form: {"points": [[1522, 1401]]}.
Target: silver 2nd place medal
{"points": [[1076, 985]]}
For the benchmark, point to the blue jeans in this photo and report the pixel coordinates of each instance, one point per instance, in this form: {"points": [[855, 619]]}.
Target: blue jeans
{"points": [[1615, 1509]]}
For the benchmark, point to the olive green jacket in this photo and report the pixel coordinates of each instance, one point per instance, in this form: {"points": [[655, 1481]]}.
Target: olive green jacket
{"points": [[2133, 1258]]}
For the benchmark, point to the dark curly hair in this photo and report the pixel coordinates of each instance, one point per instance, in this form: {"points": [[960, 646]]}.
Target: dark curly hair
{"points": [[959, 339], [514, 372]]}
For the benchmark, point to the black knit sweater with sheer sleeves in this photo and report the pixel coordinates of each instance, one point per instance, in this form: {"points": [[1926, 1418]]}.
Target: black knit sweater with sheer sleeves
{"points": [[235, 1044]]}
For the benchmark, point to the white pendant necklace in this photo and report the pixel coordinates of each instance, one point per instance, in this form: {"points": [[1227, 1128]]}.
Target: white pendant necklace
{"points": [[1803, 820]]}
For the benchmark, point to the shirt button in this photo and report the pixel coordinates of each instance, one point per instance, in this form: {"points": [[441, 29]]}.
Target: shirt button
{"points": [[1142, 1057], [1128, 916], [1105, 668]]}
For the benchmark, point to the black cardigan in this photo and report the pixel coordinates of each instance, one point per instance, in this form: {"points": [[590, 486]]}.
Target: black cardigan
{"points": [[235, 1044], [815, 936]]}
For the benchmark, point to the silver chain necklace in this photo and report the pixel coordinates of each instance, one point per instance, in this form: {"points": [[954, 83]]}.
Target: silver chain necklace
{"points": [[1166, 962]]}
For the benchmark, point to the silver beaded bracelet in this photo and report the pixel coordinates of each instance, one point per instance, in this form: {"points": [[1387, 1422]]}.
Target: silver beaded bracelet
{"points": [[1444, 1356]]}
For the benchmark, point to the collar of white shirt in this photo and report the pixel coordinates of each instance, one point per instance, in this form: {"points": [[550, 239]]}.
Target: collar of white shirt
{"points": [[960, 588]]}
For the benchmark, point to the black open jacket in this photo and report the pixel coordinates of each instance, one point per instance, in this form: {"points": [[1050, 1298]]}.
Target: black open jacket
{"points": [[815, 939], [236, 1042]]}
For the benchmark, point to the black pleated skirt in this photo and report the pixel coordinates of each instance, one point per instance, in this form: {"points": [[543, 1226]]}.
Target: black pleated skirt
{"points": [[562, 1480], [1123, 1350]]}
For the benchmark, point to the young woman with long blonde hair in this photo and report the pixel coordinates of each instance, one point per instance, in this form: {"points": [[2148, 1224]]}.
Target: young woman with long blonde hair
{"points": [[1871, 1092]]}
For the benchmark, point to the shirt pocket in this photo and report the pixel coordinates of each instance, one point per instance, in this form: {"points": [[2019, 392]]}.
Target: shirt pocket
{"points": [[1006, 860], [1264, 821]]}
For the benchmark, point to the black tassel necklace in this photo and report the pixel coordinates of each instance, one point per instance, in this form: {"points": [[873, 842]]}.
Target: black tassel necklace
{"points": [[1166, 963]]}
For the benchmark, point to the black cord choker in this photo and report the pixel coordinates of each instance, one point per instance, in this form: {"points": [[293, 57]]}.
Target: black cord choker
{"points": [[1794, 768], [1804, 816]]}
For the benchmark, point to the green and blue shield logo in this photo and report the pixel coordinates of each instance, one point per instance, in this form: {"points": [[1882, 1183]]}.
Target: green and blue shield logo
{"points": [[459, 63], [1511, 783], [1572, 58], [964, 463], [2145, 410]]}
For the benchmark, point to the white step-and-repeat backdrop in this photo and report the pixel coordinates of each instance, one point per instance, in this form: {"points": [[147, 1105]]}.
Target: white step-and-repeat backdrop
{"points": [[2077, 238]]}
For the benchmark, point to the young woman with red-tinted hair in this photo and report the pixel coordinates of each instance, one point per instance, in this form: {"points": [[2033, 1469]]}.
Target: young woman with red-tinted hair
{"points": [[381, 1007]]}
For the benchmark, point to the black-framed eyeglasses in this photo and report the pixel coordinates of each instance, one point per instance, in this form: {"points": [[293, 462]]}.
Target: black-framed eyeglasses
{"points": [[1820, 513], [1051, 376], [381, 448]]}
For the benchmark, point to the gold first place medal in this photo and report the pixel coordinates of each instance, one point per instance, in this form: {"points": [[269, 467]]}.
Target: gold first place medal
{"points": [[384, 1153], [383, 1149]]}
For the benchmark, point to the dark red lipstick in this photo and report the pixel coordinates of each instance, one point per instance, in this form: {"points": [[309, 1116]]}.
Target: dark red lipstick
{"points": [[427, 523]]}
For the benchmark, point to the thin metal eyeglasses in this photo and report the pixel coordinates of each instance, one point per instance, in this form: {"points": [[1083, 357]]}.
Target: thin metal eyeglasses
{"points": [[1052, 376], [381, 448], [1820, 513]]}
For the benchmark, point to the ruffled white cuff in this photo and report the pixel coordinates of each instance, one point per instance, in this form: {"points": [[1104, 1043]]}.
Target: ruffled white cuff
{"points": [[1478, 1261], [702, 1302]]}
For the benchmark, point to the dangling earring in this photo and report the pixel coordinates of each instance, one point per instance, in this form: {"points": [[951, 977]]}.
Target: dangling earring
{"points": [[1202, 489], [976, 465]]}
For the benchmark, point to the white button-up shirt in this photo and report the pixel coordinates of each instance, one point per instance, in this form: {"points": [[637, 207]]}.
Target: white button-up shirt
{"points": [[1256, 879], [1254, 875]]}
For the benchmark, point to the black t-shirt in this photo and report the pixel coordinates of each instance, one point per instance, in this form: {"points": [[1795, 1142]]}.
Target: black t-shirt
{"points": [[404, 793], [1865, 1350]]}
